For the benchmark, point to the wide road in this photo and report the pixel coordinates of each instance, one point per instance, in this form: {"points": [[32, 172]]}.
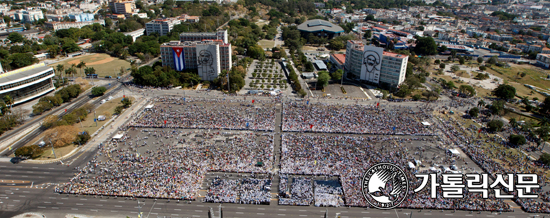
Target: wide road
{"points": [[18, 197]]}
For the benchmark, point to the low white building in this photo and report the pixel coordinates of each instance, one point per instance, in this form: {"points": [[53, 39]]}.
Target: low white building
{"points": [[66, 25], [135, 34]]}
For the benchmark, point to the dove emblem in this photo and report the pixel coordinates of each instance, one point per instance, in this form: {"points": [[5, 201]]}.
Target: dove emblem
{"points": [[385, 186]]}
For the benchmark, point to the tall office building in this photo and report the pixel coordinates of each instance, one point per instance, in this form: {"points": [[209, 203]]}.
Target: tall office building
{"points": [[122, 6], [373, 65], [209, 57]]}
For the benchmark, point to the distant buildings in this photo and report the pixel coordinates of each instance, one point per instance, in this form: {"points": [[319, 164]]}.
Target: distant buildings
{"points": [[321, 28], [373, 65], [219, 35], [209, 57], [84, 17], [66, 25], [543, 60], [122, 6], [32, 16], [338, 60], [190, 19], [162, 26]]}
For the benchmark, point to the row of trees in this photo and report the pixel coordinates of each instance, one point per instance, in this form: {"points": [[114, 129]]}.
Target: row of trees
{"points": [[64, 95]]}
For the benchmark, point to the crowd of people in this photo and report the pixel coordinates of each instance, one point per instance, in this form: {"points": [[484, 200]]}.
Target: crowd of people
{"points": [[301, 192], [359, 119], [484, 149], [151, 163], [328, 193], [242, 191], [194, 113], [348, 157]]}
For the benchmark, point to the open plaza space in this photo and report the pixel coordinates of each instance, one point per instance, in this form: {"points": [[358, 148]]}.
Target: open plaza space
{"points": [[296, 160]]}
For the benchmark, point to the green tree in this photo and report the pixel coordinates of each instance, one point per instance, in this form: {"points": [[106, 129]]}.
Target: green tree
{"points": [[455, 68], [59, 68], [368, 34], [474, 112], [493, 60], [15, 37], [126, 102], [80, 66], [467, 89], [89, 70], [7, 19], [337, 75], [19, 60], [482, 68], [497, 107], [8, 100], [425, 46], [545, 106], [505, 92], [545, 159], [32, 151], [118, 110], [495, 125], [98, 90], [323, 78], [479, 60], [517, 140], [442, 66], [461, 60], [481, 103]]}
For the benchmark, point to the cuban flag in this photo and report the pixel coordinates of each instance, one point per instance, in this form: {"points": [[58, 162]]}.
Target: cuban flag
{"points": [[179, 60]]}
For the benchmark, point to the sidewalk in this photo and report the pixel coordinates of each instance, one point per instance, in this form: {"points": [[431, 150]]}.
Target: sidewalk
{"points": [[103, 134]]}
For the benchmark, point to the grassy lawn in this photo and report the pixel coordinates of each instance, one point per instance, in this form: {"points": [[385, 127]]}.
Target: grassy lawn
{"points": [[519, 117], [103, 64], [533, 77], [59, 152], [87, 125], [264, 43], [481, 92], [108, 107]]}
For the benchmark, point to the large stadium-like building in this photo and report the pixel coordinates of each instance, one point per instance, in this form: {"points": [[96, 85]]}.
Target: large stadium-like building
{"points": [[320, 28], [27, 83]]}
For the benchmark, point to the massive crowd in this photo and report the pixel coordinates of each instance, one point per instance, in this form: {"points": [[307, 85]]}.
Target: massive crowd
{"points": [[197, 113], [248, 191], [152, 164], [361, 119], [348, 156], [171, 163]]}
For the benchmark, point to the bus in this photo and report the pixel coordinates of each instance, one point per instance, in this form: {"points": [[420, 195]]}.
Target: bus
{"points": [[88, 76]]}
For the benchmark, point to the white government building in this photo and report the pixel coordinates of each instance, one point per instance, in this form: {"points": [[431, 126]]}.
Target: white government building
{"points": [[373, 65]]}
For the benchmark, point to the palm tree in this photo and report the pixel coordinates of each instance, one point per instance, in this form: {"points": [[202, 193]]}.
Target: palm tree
{"points": [[59, 68], [73, 66], [80, 66], [4, 109], [481, 103], [8, 100]]}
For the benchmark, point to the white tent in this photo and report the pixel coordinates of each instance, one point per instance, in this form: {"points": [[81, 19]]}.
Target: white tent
{"points": [[118, 136], [426, 124], [454, 151], [411, 165], [433, 169], [149, 107]]}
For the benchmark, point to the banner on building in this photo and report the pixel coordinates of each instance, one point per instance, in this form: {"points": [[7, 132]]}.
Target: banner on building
{"points": [[179, 59], [371, 63]]}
